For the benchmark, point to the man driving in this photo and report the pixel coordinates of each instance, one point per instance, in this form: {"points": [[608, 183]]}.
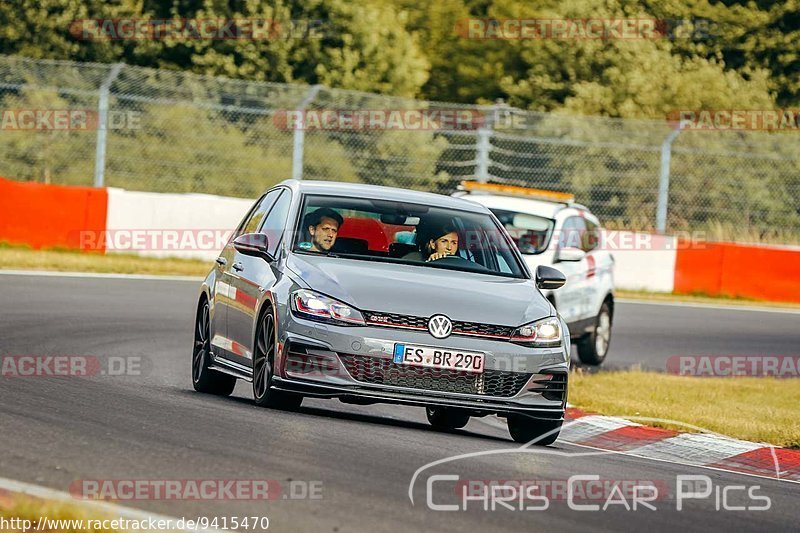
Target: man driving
{"points": [[323, 226]]}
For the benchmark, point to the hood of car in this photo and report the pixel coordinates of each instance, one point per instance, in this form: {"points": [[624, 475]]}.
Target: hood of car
{"points": [[422, 290]]}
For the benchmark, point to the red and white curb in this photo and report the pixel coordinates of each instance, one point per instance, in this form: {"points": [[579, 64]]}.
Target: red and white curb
{"points": [[697, 449], [702, 449]]}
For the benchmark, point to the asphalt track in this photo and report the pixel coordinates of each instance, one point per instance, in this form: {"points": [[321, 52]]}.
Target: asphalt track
{"points": [[56, 430]]}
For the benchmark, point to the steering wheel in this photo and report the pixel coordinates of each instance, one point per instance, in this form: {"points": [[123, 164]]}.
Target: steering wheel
{"points": [[451, 259], [457, 260]]}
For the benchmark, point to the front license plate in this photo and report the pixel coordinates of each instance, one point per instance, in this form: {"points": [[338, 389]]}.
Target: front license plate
{"points": [[443, 358]]}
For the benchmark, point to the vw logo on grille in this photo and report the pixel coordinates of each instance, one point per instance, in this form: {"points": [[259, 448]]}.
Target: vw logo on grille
{"points": [[440, 326]]}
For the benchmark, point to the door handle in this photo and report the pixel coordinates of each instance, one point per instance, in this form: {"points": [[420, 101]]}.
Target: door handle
{"points": [[221, 261], [238, 267]]}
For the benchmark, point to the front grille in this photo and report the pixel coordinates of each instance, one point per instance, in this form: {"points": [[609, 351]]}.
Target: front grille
{"points": [[379, 371], [481, 330], [393, 320]]}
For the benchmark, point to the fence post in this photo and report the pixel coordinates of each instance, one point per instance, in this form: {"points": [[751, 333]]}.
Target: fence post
{"points": [[102, 126], [298, 146], [663, 181], [483, 142], [483, 148]]}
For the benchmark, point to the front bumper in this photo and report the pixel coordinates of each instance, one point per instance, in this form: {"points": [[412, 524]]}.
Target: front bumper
{"points": [[328, 361]]}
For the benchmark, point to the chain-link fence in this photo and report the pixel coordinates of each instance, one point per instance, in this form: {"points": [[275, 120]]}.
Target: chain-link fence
{"points": [[171, 131]]}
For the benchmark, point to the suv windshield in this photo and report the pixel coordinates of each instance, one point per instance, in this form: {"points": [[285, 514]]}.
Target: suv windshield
{"points": [[397, 232], [530, 233]]}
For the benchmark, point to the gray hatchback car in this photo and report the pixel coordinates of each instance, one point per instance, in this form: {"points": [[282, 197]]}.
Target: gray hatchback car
{"points": [[373, 294]]}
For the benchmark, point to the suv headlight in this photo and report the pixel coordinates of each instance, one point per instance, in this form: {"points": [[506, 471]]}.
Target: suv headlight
{"points": [[315, 306], [544, 333]]}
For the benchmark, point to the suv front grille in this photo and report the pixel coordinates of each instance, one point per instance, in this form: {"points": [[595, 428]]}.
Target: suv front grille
{"points": [[473, 329], [379, 371]]}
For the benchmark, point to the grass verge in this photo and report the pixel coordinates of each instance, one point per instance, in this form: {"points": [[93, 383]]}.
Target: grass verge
{"points": [[28, 511], [16, 258], [702, 299], [760, 409]]}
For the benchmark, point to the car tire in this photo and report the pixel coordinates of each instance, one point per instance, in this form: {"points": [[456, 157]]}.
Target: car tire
{"points": [[446, 418], [263, 369], [593, 348], [203, 378], [524, 429]]}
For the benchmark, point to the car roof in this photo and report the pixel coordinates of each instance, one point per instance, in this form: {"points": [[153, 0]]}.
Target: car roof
{"points": [[379, 192], [520, 205]]}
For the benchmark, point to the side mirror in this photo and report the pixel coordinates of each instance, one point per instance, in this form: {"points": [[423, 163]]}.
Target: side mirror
{"points": [[570, 254], [549, 278], [253, 244]]}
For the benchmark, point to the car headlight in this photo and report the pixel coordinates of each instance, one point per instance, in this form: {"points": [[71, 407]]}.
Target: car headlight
{"points": [[315, 306], [544, 333]]}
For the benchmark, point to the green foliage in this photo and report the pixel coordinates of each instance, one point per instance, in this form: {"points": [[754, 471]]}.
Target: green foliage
{"points": [[745, 36], [40, 29], [405, 159], [721, 54], [724, 53], [371, 51], [615, 77], [331, 42], [64, 157]]}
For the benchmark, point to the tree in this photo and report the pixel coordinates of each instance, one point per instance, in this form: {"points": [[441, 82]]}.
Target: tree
{"points": [[41, 29], [331, 42]]}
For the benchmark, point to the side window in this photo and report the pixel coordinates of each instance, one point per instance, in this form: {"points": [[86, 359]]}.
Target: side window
{"points": [[572, 233], [275, 222], [530, 233], [253, 220], [591, 239]]}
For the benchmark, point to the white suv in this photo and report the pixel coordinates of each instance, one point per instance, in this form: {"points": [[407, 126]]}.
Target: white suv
{"points": [[550, 229]]}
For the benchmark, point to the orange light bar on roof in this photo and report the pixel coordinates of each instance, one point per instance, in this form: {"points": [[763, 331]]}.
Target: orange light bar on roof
{"points": [[513, 190]]}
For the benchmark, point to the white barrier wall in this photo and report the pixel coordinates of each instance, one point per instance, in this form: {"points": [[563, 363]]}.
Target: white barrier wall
{"points": [[175, 225], [642, 261]]}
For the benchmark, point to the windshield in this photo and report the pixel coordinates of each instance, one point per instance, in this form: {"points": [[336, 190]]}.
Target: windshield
{"points": [[396, 232], [530, 233]]}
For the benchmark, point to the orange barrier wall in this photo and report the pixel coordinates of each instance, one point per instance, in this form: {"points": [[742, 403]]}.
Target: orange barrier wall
{"points": [[49, 216], [760, 272]]}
